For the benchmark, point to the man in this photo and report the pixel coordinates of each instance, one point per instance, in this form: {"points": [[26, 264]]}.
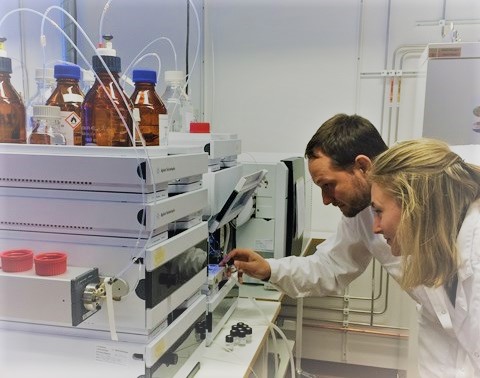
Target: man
{"points": [[339, 156]]}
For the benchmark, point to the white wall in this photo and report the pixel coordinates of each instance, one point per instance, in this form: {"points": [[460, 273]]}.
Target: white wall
{"points": [[277, 69]]}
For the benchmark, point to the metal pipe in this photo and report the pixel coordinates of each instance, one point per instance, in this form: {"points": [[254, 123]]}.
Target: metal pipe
{"points": [[349, 329]]}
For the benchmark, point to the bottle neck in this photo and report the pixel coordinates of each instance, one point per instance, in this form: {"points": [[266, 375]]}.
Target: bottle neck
{"points": [[104, 76], [4, 75], [144, 85], [67, 81]]}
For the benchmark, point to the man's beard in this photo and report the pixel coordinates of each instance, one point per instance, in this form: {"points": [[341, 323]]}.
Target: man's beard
{"points": [[357, 204]]}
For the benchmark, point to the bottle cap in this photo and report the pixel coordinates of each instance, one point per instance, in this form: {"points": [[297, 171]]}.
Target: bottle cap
{"points": [[50, 263], [200, 127], [44, 74], [248, 330], [67, 71], [46, 111], [5, 64], [144, 76], [174, 76], [241, 333], [229, 339], [113, 63], [17, 260]]}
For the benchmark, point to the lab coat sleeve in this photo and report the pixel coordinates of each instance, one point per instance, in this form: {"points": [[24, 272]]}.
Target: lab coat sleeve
{"points": [[336, 262]]}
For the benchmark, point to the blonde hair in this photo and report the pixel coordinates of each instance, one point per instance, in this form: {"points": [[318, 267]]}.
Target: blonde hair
{"points": [[434, 188]]}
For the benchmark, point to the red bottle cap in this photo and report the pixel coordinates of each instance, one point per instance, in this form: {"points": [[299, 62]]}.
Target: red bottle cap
{"points": [[17, 260], [199, 127], [50, 263]]}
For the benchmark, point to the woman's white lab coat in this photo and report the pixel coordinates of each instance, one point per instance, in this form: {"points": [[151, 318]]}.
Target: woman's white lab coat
{"points": [[449, 337]]}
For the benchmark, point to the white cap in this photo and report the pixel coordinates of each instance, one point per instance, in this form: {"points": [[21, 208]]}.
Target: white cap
{"points": [[48, 72], [174, 76], [46, 111], [108, 47]]}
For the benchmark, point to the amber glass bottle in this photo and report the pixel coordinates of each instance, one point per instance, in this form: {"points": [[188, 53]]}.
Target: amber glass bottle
{"points": [[69, 97], [101, 123], [153, 113], [12, 109]]}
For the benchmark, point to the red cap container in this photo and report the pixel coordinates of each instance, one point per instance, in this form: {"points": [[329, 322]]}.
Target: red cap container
{"points": [[199, 127], [50, 263], [17, 260]]}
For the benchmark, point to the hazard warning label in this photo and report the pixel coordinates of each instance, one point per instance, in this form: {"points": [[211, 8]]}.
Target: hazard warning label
{"points": [[72, 119]]}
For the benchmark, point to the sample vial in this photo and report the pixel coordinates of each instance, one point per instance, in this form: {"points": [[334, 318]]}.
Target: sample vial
{"points": [[69, 97], [229, 342], [12, 109], [248, 334], [153, 123], [234, 334], [242, 337]]}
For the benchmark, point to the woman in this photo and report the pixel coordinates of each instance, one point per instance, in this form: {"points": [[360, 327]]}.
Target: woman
{"points": [[426, 203]]}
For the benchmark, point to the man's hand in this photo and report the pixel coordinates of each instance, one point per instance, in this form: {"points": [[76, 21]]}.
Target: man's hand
{"points": [[249, 262]]}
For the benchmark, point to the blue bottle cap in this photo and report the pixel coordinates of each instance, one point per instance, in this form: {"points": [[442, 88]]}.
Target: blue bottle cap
{"points": [[67, 71], [144, 76]]}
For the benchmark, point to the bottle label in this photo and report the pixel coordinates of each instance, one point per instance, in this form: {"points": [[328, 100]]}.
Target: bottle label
{"points": [[70, 122], [163, 129], [73, 97]]}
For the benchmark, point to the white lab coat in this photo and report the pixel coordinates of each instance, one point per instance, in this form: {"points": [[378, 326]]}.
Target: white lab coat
{"points": [[449, 337]]}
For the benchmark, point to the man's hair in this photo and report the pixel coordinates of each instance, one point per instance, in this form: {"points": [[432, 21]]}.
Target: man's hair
{"points": [[343, 137], [434, 188]]}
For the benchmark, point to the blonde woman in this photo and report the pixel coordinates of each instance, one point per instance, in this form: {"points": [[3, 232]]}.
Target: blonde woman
{"points": [[426, 203]]}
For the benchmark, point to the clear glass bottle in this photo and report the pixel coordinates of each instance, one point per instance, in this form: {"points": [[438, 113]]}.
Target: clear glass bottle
{"points": [[68, 96], [179, 108], [46, 121], [101, 124], [12, 109], [153, 123], [45, 85]]}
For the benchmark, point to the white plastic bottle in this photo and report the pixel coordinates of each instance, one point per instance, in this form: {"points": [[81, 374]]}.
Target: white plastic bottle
{"points": [[179, 108], [45, 86]]}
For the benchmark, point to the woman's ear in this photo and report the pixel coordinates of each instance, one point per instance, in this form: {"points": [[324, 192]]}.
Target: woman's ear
{"points": [[363, 163]]}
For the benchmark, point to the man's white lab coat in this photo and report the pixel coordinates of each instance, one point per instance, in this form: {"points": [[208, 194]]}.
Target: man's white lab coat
{"points": [[449, 337]]}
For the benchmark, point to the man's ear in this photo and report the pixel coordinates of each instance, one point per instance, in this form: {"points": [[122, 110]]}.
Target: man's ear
{"points": [[363, 163]]}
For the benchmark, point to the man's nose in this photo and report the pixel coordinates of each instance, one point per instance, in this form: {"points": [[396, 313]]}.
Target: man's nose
{"points": [[327, 197]]}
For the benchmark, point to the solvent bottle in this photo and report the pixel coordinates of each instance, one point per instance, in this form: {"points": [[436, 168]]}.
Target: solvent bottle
{"points": [[12, 109], [153, 123], [68, 96], [179, 109], [45, 85], [101, 123], [46, 122]]}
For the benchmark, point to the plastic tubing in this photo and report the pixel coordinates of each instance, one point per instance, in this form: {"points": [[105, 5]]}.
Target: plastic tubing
{"points": [[198, 42], [142, 250], [280, 332], [155, 55], [102, 18], [134, 60]]}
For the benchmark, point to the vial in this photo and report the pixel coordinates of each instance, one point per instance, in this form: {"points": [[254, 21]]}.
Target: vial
{"points": [[229, 342], [234, 334], [242, 338], [248, 334]]}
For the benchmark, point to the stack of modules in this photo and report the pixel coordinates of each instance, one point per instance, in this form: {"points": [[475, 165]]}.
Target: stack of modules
{"points": [[132, 275]]}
